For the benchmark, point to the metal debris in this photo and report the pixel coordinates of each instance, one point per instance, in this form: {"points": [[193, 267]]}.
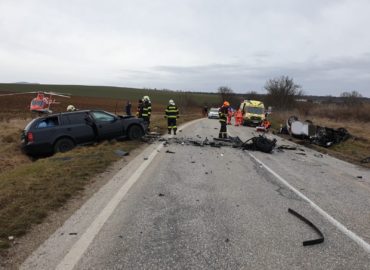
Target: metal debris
{"points": [[365, 160], [170, 152], [286, 147], [121, 153], [260, 143], [309, 242], [161, 195]]}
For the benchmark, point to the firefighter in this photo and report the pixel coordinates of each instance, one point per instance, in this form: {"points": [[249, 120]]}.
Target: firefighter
{"points": [[172, 113], [222, 113], [147, 110], [238, 117], [71, 108]]}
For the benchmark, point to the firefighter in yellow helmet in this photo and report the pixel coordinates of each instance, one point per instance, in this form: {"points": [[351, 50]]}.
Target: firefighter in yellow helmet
{"points": [[172, 113], [222, 113], [146, 110]]}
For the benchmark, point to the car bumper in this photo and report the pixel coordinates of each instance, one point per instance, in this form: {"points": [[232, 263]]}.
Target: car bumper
{"points": [[33, 149]]}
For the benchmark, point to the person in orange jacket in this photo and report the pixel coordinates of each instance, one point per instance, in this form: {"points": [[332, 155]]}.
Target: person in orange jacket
{"points": [[266, 124], [238, 117]]}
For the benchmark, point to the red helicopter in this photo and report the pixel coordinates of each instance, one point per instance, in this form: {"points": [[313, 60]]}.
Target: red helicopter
{"points": [[41, 103]]}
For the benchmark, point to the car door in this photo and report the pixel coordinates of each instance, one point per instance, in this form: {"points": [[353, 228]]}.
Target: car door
{"points": [[76, 126], [108, 126]]}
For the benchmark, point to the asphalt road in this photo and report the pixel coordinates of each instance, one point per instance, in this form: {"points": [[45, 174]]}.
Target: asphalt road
{"points": [[218, 208]]}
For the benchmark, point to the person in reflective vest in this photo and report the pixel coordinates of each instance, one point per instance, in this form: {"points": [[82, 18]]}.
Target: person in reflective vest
{"points": [[238, 117], [222, 113], [147, 110], [171, 113]]}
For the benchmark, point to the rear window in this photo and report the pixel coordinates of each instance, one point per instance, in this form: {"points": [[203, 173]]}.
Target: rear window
{"points": [[48, 122]]}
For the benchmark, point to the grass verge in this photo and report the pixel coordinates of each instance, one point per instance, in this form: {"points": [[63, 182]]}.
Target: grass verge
{"points": [[29, 191], [353, 150]]}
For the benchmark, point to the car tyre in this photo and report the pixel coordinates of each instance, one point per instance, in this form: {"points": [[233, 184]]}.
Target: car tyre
{"points": [[63, 145], [135, 132]]}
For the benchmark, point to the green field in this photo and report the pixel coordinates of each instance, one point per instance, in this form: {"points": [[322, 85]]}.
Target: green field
{"points": [[157, 96]]}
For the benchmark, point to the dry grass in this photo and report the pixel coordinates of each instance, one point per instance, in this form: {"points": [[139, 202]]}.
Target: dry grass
{"points": [[10, 153]]}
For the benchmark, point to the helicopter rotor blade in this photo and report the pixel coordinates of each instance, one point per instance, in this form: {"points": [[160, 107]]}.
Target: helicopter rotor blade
{"points": [[57, 94], [14, 94]]}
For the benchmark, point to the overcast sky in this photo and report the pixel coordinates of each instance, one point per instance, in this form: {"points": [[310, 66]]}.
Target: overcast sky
{"points": [[195, 45]]}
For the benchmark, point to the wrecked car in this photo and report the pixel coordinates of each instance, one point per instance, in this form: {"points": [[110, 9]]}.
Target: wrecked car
{"points": [[61, 132], [322, 136]]}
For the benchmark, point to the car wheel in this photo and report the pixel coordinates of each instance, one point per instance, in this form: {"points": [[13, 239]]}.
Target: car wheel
{"points": [[135, 132], [63, 145]]}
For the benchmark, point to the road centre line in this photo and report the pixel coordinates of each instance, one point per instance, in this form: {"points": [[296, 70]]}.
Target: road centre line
{"points": [[80, 246], [361, 242]]}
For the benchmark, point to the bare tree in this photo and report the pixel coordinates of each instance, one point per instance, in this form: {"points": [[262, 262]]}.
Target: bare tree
{"points": [[227, 94], [351, 98], [282, 92], [253, 95]]}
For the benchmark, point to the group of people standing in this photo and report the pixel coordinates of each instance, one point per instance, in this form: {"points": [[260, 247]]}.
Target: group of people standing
{"points": [[225, 114], [238, 116], [144, 111]]}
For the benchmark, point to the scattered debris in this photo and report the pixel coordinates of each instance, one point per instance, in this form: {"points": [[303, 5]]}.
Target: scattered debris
{"points": [[227, 240], [322, 136], [161, 195], [302, 154], [308, 242], [319, 155], [260, 143], [286, 147], [145, 158], [11, 238], [193, 162], [170, 152], [365, 160], [121, 153], [359, 176], [73, 233]]}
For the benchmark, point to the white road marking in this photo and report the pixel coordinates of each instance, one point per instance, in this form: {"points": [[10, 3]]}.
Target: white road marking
{"points": [[78, 249], [361, 242]]}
